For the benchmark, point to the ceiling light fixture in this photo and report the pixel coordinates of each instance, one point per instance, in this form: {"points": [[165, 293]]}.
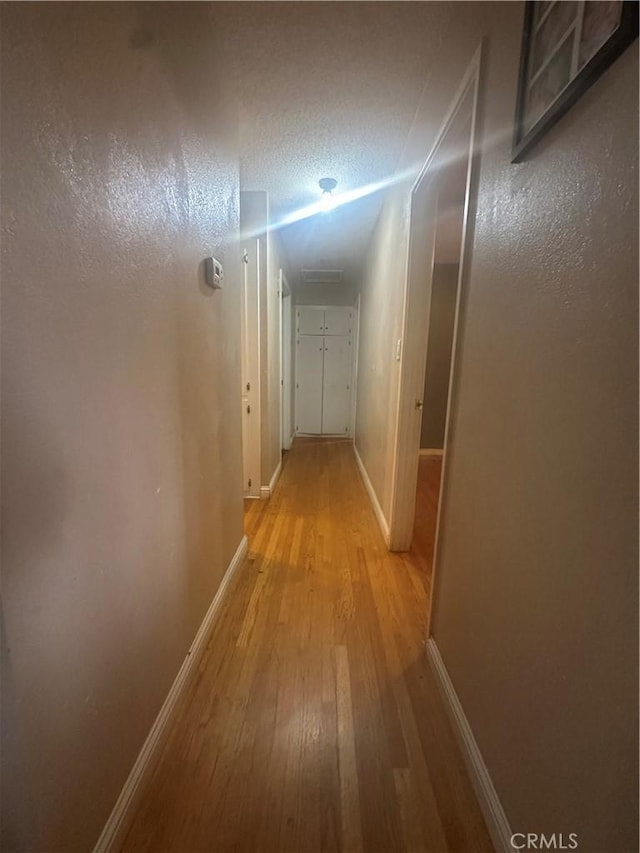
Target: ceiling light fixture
{"points": [[327, 201]]}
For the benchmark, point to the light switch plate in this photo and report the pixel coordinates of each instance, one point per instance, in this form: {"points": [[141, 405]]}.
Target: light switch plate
{"points": [[213, 273]]}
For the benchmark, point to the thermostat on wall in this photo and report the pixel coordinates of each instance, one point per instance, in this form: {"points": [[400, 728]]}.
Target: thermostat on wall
{"points": [[213, 273]]}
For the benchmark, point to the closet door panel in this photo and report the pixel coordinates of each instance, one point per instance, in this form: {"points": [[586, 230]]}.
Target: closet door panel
{"points": [[309, 358], [336, 393], [310, 320], [338, 320]]}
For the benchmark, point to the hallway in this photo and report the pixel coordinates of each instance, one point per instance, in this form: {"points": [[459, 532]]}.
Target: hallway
{"points": [[184, 186], [314, 722]]}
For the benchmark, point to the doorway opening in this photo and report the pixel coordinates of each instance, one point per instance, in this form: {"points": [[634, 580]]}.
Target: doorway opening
{"points": [[449, 187], [442, 214]]}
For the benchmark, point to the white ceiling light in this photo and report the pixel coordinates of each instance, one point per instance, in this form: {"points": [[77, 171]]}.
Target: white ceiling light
{"points": [[327, 201]]}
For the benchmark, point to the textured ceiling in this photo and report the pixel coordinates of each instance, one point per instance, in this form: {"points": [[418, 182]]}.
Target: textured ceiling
{"points": [[328, 89]]}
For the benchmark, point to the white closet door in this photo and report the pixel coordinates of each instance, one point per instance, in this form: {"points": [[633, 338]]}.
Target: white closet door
{"points": [[309, 320], [338, 320], [309, 357], [336, 394]]}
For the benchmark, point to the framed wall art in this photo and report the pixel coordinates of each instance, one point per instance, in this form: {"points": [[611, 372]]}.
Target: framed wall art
{"points": [[566, 45]]}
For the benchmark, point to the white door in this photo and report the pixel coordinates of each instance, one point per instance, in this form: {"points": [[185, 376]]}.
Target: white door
{"points": [[336, 391], [309, 353], [338, 320], [310, 320], [250, 361]]}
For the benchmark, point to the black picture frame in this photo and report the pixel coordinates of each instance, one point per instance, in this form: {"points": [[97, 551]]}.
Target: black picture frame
{"points": [[527, 132]]}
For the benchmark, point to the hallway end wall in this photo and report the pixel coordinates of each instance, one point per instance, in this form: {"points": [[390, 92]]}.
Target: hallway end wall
{"points": [[121, 463], [325, 294], [536, 589]]}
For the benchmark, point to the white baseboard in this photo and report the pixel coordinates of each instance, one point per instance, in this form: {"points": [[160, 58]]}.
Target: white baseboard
{"points": [[267, 491], [495, 818], [276, 476], [430, 451], [119, 821], [382, 521]]}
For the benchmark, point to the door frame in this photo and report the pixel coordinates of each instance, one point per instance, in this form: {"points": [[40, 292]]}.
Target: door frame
{"points": [[286, 318], [415, 333]]}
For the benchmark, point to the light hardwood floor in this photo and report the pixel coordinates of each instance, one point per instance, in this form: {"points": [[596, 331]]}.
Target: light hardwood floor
{"points": [[314, 723]]}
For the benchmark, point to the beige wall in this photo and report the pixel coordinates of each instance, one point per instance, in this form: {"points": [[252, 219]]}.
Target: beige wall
{"points": [[536, 593], [380, 328], [121, 463], [444, 287]]}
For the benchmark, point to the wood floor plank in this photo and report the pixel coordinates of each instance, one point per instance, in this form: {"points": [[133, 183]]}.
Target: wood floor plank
{"points": [[409, 809], [314, 723], [349, 793]]}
